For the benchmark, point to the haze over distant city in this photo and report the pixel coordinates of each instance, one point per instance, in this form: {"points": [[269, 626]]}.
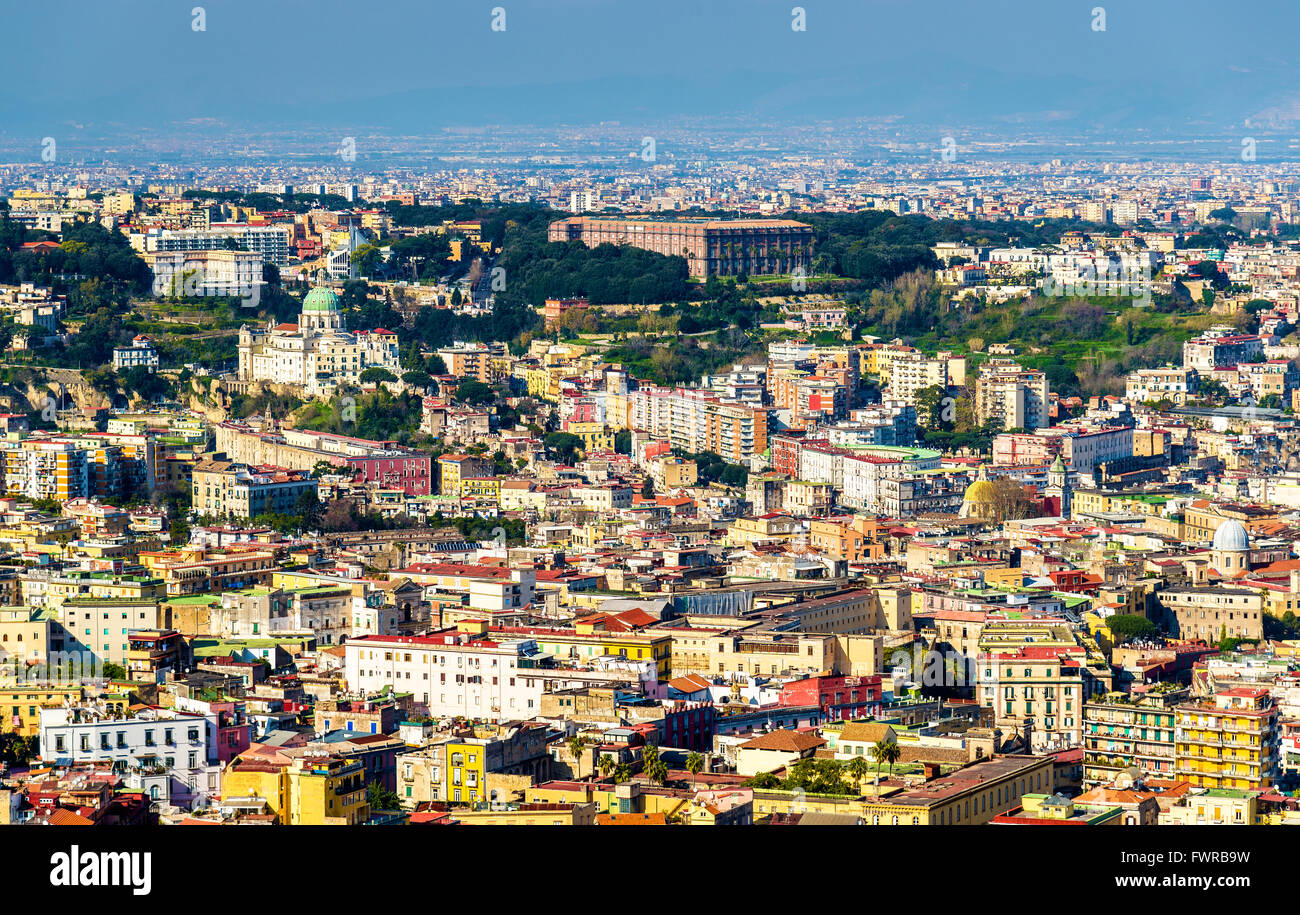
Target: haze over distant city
{"points": [[875, 80]]}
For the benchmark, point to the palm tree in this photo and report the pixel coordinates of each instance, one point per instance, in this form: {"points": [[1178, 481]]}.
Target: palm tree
{"points": [[606, 765], [879, 753], [858, 768], [576, 747], [694, 765], [622, 773], [654, 768], [892, 754]]}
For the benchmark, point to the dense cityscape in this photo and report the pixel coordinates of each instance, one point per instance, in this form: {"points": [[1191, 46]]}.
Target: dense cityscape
{"points": [[853, 472]]}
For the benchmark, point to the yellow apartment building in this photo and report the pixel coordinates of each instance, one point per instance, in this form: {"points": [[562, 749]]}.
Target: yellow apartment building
{"points": [[20, 706], [1230, 741], [763, 530], [481, 488], [307, 791], [198, 570], [850, 540], [750, 653], [595, 437], [674, 473], [544, 383], [452, 468], [24, 638]]}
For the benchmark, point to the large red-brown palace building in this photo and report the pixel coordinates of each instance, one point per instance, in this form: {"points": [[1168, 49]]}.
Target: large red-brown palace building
{"points": [[712, 247]]}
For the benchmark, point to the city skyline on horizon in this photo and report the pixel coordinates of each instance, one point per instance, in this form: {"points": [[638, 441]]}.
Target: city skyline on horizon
{"points": [[1052, 78]]}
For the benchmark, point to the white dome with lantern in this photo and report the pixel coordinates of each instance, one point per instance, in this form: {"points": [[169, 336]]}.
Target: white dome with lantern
{"points": [[1230, 552], [1231, 535]]}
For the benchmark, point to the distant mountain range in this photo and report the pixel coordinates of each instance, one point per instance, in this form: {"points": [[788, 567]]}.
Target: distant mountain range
{"points": [[991, 103]]}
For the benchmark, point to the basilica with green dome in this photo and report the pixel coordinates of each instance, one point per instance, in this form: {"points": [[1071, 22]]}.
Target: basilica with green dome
{"points": [[319, 353], [322, 310]]}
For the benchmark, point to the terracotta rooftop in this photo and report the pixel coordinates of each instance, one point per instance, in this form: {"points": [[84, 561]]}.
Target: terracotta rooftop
{"points": [[784, 741]]}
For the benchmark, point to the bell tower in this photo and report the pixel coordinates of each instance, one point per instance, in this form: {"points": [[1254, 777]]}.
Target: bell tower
{"points": [[1058, 485]]}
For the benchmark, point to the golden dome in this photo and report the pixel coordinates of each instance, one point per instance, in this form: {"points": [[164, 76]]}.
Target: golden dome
{"points": [[980, 500], [981, 492]]}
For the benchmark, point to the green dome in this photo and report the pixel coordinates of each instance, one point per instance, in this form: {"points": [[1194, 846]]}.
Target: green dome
{"points": [[320, 299]]}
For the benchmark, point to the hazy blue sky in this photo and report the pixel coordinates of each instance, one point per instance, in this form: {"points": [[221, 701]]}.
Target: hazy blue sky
{"points": [[578, 61]]}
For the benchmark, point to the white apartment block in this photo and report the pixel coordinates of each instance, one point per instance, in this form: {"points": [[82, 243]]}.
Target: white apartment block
{"points": [[856, 473], [1015, 396], [174, 754], [1173, 384], [103, 626], [37, 469], [914, 371], [1124, 212], [1219, 347], [140, 354], [863, 475], [452, 673], [822, 464], [1084, 449], [474, 674], [205, 273], [790, 351], [490, 588], [271, 243], [697, 420], [605, 497]]}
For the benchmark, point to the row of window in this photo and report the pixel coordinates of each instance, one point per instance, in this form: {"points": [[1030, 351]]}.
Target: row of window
{"points": [[1049, 723], [60, 743], [460, 678], [1029, 672], [405, 657]]}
